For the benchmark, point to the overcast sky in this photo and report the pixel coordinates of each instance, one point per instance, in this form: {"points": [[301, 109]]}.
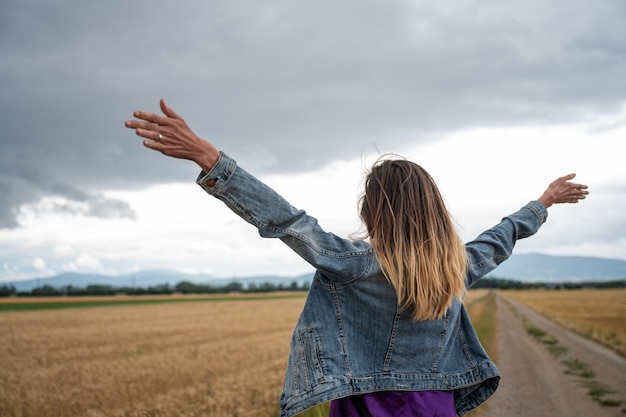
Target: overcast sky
{"points": [[495, 98]]}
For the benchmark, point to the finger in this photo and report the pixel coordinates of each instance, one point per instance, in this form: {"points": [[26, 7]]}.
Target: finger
{"points": [[149, 134], [167, 110], [568, 177], [156, 145], [152, 145], [135, 124], [152, 118], [576, 192], [580, 186]]}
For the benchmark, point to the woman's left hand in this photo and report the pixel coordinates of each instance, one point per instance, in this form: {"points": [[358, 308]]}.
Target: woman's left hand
{"points": [[562, 190], [171, 136]]}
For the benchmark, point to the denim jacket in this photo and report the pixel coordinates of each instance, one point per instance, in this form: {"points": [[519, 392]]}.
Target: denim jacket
{"points": [[351, 337]]}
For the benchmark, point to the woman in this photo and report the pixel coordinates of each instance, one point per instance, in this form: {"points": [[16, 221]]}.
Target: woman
{"points": [[383, 331]]}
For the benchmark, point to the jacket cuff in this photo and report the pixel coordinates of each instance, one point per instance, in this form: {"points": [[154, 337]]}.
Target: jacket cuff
{"points": [[213, 181], [540, 210]]}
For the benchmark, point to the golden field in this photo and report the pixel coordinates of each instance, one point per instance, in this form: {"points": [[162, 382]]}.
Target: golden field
{"points": [[202, 358], [599, 314], [211, 357], [172, 359]]}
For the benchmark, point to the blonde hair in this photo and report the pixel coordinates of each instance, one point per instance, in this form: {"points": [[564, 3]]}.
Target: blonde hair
{"points": [[414, 238]]}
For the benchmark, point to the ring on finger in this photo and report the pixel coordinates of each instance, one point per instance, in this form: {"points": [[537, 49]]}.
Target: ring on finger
{"points": [[159, 137]]}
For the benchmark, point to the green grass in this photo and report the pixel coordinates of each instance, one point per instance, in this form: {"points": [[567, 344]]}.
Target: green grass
{"points": [[319, 411], [484, 315], [551, 343], [53, 304], [534, 331], [574, 366], [599, 391]]}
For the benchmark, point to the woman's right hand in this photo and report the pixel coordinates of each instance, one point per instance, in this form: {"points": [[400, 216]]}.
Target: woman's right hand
{"points": [[171, 136], [562, 190]]}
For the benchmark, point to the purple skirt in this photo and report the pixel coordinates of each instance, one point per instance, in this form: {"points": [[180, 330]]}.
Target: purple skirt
{"points": [[396, 404]]}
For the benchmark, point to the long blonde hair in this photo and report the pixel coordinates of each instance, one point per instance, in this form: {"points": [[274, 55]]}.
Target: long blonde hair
{"points": [[414, 238]]}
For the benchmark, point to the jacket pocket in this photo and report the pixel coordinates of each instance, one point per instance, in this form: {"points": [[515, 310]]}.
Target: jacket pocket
{"points": [[310, 370]]}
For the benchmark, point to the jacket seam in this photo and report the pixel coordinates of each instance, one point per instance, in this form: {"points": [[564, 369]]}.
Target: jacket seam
{"points": [[392, 340], [442, 336], [468, 356], [342, 339]]}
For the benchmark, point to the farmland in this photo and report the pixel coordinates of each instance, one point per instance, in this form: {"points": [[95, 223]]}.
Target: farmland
{"points": [[171, 359], [163, 356], [596, 314]]}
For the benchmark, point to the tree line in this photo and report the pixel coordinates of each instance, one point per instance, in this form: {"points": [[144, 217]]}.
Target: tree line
{"points": [[183, 287], [186, 287], [508, 284]]}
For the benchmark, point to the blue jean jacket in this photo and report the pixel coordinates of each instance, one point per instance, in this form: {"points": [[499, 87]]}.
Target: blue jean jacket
{"points": [[351, 337]]}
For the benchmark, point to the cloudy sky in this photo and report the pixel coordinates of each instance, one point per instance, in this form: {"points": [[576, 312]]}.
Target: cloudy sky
{"points": [[495, 98]]}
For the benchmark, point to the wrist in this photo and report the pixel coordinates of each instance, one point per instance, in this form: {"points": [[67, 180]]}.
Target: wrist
{"points": [[208, 157], [545, 200]]}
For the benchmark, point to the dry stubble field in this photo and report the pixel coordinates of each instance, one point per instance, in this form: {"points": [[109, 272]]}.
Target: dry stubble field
{"points": [[205, 358], [174, 359]]}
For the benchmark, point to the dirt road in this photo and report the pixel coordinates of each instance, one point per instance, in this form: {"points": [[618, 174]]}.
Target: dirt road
{"points": [[534, 382]]}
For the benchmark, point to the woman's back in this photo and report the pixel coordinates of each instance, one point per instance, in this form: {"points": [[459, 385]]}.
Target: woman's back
{"points": [[353, 338]]}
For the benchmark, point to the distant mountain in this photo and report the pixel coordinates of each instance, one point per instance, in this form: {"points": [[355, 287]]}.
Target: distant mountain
{"points": [[527, 268], [546, 268]]}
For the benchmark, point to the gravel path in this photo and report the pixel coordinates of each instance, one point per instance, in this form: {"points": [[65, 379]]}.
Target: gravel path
{"points": [[534, 383]]}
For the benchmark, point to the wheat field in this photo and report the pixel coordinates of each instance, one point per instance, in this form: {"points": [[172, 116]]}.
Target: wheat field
{"points": [[598, 314], [204, 358], [174, 359], [201, 358]]}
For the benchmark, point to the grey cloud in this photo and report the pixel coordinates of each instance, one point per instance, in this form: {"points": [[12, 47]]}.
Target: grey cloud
{"points": [[18, 191], [299, 82], [100, 206], [14, 193], [94, 206]]}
